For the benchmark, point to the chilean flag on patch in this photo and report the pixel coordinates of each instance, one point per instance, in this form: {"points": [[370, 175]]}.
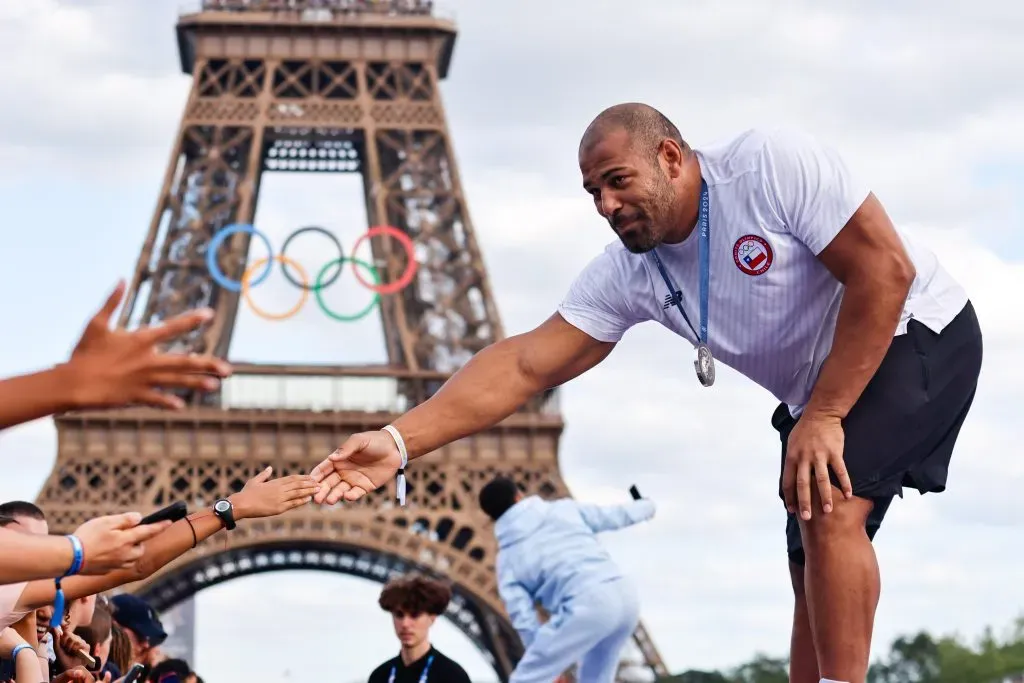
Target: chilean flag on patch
{"points": [[755, 257]]}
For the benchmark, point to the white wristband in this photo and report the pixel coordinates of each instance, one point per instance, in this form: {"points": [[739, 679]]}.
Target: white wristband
{"points": [[400, 483]]}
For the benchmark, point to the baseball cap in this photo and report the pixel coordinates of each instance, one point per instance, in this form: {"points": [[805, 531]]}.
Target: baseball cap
{"points": [[136, 614]]}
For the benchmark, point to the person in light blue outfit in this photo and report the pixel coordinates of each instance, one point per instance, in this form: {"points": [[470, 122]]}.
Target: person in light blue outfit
{"points": [[549, 553]]}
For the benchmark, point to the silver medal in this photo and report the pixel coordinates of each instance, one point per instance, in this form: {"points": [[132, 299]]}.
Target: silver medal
{"points": [[704, 365]]}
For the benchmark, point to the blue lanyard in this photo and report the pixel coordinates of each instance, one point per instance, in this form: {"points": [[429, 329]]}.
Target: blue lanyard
{"points": [[423, 676], [676, 295]]}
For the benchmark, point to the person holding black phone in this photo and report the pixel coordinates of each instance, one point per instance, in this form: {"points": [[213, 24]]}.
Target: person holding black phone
{"points": [[548, 553]]}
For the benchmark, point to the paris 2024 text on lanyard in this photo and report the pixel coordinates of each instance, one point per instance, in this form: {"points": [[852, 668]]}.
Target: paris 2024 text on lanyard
{"points": [[704, 364]]}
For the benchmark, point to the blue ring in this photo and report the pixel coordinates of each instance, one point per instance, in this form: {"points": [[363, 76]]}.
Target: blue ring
{"points": [[211, 256]]}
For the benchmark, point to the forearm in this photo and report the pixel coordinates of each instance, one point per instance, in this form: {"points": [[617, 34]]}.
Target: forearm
{"points": [[489, 388], [26, 557], [868, 315], [27, 669], [169, 545], [29, 397]]}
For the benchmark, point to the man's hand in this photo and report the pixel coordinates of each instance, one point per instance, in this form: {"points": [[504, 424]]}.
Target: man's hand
{"points": [[815, 443], [116, 367], [114, 541], [364, 463], [262, 498]]}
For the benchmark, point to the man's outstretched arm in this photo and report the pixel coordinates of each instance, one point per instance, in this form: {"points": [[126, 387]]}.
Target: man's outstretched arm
{"points": [[497, 381], [490, 387]]}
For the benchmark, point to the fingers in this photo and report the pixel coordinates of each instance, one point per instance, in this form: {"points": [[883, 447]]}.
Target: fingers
{"points": [[839, 467], [337, 492], [156, 399], [322, 471], [144, 532], [824, 485], [352, 445], [181, 380], [326, 486], [803, 489], [262, 476], [194, 364], [105, 313], [125, 520], [789, 485], [176, 326]]}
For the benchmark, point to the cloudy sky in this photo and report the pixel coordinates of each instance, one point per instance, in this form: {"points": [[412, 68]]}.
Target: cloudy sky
{"points": [[923, 98]]}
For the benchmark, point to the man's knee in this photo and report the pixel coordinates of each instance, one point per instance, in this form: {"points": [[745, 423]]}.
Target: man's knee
{"points": [[847, 520]]}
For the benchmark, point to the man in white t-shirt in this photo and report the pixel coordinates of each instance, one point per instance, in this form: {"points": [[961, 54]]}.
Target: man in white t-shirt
{"points": [[765, 255]]}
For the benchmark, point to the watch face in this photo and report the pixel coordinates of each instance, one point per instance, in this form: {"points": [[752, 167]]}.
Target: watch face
{"points": [[222, 506]]}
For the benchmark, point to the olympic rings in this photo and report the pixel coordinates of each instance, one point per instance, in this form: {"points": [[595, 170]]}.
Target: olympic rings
{"points": [[410, 269], [250, 279], [282, 259], [328, 235], [355, 316]]}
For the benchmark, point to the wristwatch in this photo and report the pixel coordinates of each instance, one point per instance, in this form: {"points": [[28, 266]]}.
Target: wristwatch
{"points": [[223, 509]]}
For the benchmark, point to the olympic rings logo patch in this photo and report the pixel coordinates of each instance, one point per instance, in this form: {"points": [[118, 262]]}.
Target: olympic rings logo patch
{"points": [[321, 281]]}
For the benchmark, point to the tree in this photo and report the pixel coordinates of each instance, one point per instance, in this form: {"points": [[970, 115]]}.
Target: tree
{"points": [[919, 658]]}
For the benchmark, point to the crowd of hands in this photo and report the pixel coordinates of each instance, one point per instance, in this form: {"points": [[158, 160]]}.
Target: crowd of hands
{"points": [[113, 368]]}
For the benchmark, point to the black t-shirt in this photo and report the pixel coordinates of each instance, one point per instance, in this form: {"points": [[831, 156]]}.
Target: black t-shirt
{"points": [[442, 670]]}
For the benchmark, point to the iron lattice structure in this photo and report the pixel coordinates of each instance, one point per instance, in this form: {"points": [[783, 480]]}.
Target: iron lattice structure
{"points": [[328, 86]]}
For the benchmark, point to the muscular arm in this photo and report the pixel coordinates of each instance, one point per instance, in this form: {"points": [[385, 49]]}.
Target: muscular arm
{"points": [[497, 381], [868, 257]]}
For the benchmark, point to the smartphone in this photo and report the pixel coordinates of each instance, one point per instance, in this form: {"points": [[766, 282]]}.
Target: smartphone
{"points": [[635, 492], [173, 512], [133, 673]]}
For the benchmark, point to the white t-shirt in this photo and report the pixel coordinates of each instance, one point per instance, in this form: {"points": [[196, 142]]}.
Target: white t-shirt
{"points": [[777, 199]]}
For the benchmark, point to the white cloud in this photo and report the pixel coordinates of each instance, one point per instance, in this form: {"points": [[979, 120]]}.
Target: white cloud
{"points": [[921, 97]]}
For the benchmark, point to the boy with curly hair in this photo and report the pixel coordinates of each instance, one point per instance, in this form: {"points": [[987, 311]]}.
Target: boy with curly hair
{"points": [[415, 602]]}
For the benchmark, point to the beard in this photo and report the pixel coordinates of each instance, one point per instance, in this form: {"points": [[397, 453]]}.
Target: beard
{"points": [[648, 223]]}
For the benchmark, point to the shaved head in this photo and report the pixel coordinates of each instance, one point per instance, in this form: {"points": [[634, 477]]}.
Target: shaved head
{"points": [[646, 126], [644, 179]]}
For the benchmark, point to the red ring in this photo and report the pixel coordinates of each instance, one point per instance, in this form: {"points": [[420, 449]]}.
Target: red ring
{"points": [[410, 270]]}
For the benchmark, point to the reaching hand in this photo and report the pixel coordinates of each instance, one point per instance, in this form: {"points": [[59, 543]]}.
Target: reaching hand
{"points": [[364, 463], [114, 541], [262, 497], [116, 367]]}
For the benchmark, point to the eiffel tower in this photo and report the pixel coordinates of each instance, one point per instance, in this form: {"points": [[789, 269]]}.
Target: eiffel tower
{"points": [[327, 86]]}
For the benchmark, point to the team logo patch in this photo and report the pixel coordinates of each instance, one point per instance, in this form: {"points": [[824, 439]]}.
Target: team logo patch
{"points": [[752, 254]]}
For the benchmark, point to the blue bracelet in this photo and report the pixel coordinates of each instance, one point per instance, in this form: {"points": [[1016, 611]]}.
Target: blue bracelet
{"points": [[18, 648], [58, 604], [79, 555]]}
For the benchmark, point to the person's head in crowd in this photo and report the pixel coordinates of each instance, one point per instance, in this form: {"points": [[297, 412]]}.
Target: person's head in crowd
{"points": [[120, 649], [97, 633], [498, 496], [414, 602], [27, 517], [171, 671], [141, 624]]}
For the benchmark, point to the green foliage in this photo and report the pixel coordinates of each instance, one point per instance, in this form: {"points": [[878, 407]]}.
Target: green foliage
{"points": [[919, 658]]}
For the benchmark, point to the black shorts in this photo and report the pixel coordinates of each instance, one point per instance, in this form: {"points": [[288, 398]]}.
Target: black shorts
{"points": [[901, 431]]}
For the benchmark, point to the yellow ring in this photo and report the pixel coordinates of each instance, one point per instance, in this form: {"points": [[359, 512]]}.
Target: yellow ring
{"points": [[283, 260]]}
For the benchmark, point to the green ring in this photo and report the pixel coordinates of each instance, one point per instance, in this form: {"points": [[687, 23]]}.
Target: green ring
{"points": [[318, 288]]}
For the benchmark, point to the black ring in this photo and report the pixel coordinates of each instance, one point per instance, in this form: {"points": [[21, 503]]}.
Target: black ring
{"points": [[330, 236]]}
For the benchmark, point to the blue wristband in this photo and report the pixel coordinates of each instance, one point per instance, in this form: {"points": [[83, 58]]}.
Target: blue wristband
{"points": [[79, 555], [18, 648], [58, 604]]}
